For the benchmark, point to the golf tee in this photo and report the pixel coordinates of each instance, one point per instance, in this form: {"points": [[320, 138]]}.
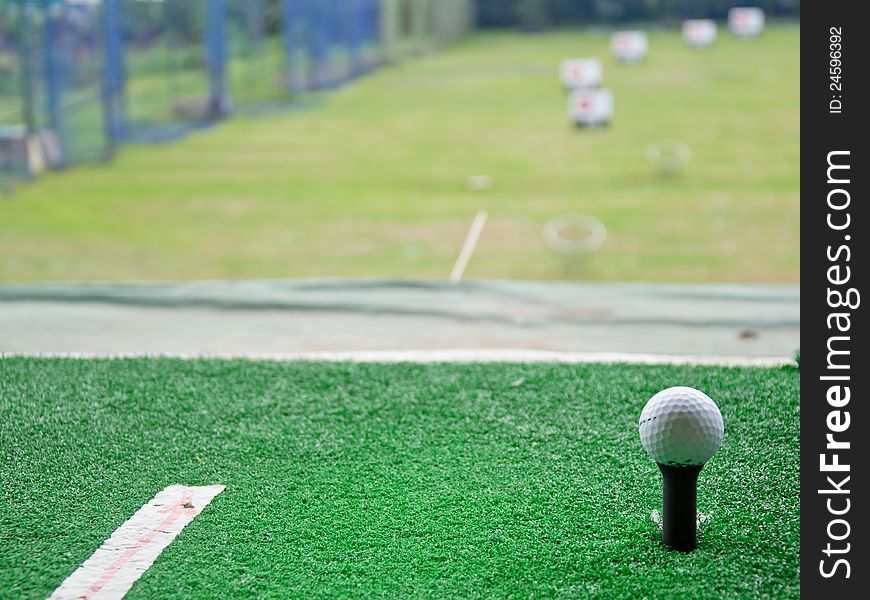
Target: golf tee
{"points": [[679, 514]]}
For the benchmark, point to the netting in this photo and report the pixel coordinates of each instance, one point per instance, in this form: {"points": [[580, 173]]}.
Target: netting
{"points": [[331, 42], [51, 109], [10, 67], [256, 67], [412, 27], [73, 47], [166, 83], [78, 77], [12, 103]]}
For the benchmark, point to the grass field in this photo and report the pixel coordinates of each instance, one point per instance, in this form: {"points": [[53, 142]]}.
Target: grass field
{"points": [[372, 180], [363, 480]]}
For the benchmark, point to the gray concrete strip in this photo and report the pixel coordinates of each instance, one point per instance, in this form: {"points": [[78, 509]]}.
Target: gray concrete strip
{"points": [[275, 317]]}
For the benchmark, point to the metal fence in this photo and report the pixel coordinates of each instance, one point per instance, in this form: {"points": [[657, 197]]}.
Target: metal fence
{"points": [[80, 77], [51, 59]]}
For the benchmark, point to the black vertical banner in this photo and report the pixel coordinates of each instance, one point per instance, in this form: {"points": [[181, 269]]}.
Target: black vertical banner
{"points": [[835, 221]]}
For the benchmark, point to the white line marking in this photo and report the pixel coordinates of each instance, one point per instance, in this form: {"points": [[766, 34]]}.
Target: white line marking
{"points": [[452, 356], [112, 570], [532, 356], [468, 247]]}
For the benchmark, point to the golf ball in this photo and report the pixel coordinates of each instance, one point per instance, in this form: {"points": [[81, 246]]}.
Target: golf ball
{"points": [[681, 426]]}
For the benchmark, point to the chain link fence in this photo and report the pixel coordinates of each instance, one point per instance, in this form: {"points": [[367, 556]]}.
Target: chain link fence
{"points": [[80, 77]]}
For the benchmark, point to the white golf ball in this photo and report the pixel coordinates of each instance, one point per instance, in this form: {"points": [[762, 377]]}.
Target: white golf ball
{"points": [[681, 426]]}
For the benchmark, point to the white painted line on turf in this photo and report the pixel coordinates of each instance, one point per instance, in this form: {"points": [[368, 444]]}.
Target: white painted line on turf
{"points": [[468, 247], [451, 356], [524, 356], [122, 559]]}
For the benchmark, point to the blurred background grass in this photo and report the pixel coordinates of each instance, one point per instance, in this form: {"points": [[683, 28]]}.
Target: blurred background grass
{"points": [[372, 180]]}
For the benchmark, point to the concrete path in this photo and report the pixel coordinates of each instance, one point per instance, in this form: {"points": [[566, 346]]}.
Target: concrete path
{"points": [[281, 317]]}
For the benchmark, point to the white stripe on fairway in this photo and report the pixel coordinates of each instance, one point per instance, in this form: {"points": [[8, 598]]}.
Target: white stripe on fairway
{"points": [[494, 355], [122, 559], [468, 247]]}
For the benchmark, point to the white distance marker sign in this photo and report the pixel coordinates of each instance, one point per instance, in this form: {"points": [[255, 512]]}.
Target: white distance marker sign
{"points": [[629, 46], [746, 21], [699, 33], [578, 73], [591, 108]]}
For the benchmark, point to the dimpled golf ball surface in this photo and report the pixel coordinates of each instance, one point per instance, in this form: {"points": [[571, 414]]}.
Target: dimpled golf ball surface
{"points": [[681, 426]]}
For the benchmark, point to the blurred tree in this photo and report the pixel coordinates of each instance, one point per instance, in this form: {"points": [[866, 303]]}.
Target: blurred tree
{"points": [[536, 13], [532, 15], [271, 16], [570, 11]]}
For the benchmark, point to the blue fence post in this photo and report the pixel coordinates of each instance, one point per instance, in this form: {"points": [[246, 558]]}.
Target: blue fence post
{"points": [[292, 15], [371, 25], [216, 58], [318, 43], [25, 53], [342, 34], [354, 19], [336, 37], [113, 74], [53, 73]]}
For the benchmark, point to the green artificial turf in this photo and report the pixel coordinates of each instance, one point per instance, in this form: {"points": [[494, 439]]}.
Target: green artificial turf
{"points": [[362, 480], [371, 180]]}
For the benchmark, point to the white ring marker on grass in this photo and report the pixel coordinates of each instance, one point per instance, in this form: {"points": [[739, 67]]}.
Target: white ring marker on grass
{"points": [[593, 230], [479, 183], [669, 156], [112, 570]]}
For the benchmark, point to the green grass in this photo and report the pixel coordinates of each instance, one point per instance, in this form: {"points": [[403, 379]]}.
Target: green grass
{"points": [[355, 480], [373, 181]]}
